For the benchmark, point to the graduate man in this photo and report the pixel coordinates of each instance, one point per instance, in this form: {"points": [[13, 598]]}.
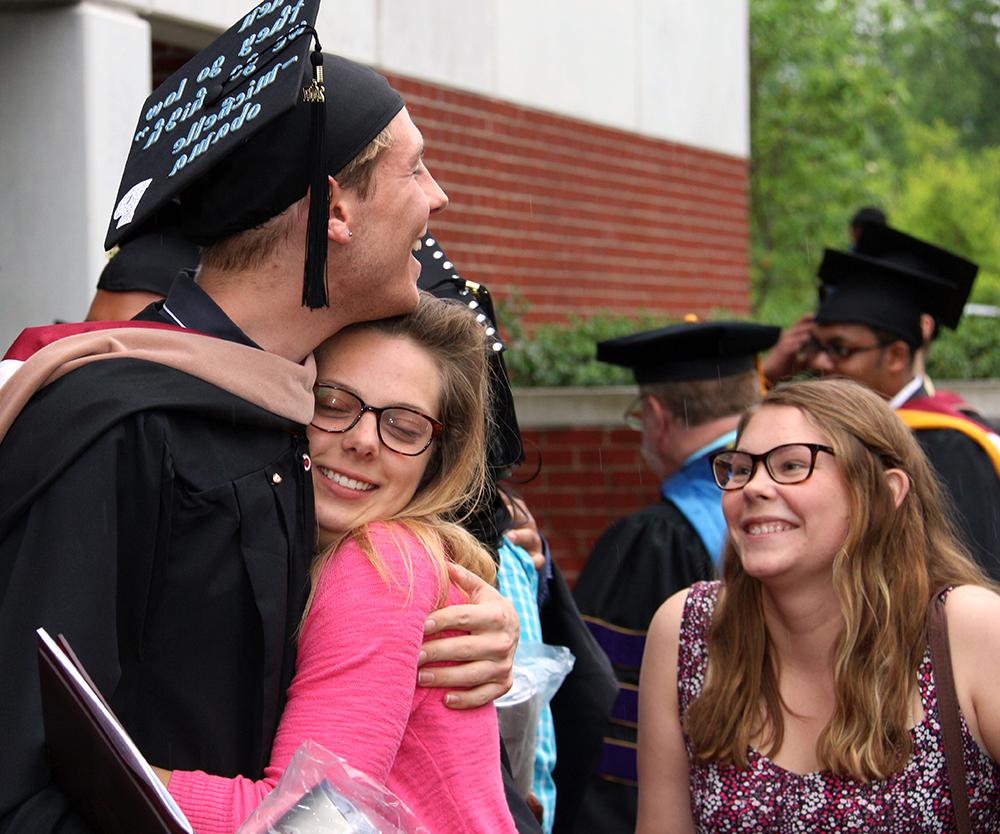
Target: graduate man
{"points": [[157, 506], [868, 328], [695, 380]]}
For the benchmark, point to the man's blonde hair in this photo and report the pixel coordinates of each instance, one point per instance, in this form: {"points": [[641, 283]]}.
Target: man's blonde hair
{"points": [[252, 248]]}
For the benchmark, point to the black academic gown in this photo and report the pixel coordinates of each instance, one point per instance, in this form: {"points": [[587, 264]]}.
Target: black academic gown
{"points": [[166, 528], [971, 480], [636, 564]]}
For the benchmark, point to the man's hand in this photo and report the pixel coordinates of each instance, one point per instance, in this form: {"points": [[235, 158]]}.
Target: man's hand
{"points": [[485, 655], [524, 533], [786, 359]]}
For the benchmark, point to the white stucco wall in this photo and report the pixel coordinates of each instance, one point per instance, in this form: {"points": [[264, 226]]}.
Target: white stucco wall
{"points": [[674, 69], [68, 112]]}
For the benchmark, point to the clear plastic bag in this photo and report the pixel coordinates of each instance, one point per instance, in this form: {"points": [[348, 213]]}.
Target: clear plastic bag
{"points": [[320, 793], [539, 670]]}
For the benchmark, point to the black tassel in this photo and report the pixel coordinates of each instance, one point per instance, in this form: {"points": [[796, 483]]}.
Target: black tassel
{"points": [[314, 291]]}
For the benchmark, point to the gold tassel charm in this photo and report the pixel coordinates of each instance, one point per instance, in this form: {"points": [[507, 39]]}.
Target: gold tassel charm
{"points": [[314, 92]]}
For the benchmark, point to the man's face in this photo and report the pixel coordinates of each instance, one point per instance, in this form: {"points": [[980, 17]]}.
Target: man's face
{"points": [[390, 223], [852, 351]]}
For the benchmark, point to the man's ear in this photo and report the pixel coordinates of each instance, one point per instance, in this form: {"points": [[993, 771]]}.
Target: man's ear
{"points": [[898, 357], [899, 484], [342, 211], [660, 418]]}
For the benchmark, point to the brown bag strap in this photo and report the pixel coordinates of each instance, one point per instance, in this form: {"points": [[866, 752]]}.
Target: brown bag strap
{"points": [[951, 727]]}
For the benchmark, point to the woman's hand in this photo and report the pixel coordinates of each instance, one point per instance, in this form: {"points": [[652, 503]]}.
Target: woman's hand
{"points": [[162, 775], [485, 655]]}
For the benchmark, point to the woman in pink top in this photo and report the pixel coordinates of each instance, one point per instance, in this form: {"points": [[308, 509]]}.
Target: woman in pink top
{"points": [[397, 446]]}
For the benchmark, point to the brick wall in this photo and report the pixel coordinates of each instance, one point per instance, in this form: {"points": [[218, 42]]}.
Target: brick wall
{"points": [[588, 478], [574, 217]]}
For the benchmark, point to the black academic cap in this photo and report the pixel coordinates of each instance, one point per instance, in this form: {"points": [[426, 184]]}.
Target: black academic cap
{"points": [[245, 128], [150, 261], [919, 256], [439, 277], [689, 351], [868, 215], [860, 289]]}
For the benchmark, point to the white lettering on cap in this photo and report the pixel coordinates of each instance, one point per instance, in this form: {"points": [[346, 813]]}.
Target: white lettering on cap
{"points": [[125, 210]]}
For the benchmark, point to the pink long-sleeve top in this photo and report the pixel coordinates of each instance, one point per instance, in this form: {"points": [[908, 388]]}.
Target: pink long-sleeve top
{"points": [[355, 693]]}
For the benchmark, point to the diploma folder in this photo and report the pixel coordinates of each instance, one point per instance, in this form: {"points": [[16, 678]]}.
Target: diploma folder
{"points": [[92, 758]]}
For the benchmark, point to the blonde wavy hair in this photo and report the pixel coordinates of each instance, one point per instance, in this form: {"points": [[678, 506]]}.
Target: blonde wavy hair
{"points": [[455, 479], [891, 562]]}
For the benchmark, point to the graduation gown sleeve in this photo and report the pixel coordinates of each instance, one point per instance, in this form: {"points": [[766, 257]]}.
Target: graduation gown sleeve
{"points": [[971, 480]]}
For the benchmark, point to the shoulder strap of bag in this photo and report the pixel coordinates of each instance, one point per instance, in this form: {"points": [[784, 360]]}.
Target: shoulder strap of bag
{"points": [[951, 728]]}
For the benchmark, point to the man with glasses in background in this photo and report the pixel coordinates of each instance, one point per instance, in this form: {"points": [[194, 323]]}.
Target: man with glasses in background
{"points": [[695, 380], [870, 327]]}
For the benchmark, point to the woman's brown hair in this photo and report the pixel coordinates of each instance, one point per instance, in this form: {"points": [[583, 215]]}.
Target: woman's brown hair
{"points": [[455, 478], [892, 560]]}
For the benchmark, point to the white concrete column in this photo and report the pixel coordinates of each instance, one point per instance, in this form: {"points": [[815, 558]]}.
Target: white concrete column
{"points": [[74, 81]]}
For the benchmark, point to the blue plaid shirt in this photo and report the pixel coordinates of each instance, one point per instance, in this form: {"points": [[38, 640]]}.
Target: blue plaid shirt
{"points": [[517, 580]]}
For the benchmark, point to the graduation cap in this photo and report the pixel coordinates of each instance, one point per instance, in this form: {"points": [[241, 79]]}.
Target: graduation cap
{"points": [[690, 351], [246, 127], [920, 257], [439, 276], [150, 261], [883, 294]]}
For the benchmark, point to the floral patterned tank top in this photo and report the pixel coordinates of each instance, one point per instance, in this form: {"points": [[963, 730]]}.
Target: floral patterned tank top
{"points": [[765, 797]]}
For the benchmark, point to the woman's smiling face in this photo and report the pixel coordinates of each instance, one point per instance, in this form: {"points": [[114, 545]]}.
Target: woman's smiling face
{"points": [[357, 479], [787, 529]]}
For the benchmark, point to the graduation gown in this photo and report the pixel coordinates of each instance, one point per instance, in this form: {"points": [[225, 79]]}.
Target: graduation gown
{"points": [[636, 564], [165, 526], [963, 462]]}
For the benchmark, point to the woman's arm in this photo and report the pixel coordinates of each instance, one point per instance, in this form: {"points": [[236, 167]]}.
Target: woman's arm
{"points": [[354, 682], [974, 637], [664, 796]]}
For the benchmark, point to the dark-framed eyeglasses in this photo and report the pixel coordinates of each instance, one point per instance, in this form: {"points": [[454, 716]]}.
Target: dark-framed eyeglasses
{"points": [[837, 352], [633, 414], [400, 429], [789, 463]]}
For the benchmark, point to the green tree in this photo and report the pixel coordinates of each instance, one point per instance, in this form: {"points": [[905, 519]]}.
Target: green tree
{"points": [[949, 53], [885, 102], [825, 111]]}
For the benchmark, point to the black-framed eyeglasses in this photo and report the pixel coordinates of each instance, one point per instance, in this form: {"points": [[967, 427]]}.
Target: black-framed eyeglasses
{"points": [[633, 414], [837, 352], [789, 463], [400, 429]]}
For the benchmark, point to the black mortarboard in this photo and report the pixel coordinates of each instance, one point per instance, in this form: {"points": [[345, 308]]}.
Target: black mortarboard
{"points": [[919, 256], [439, 277], [242, 131], [690, 351], [859, 289], [150, 261]]}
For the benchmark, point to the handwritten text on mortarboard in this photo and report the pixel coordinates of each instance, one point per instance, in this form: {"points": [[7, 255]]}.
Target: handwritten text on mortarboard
{"points": [[220, 115]]}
